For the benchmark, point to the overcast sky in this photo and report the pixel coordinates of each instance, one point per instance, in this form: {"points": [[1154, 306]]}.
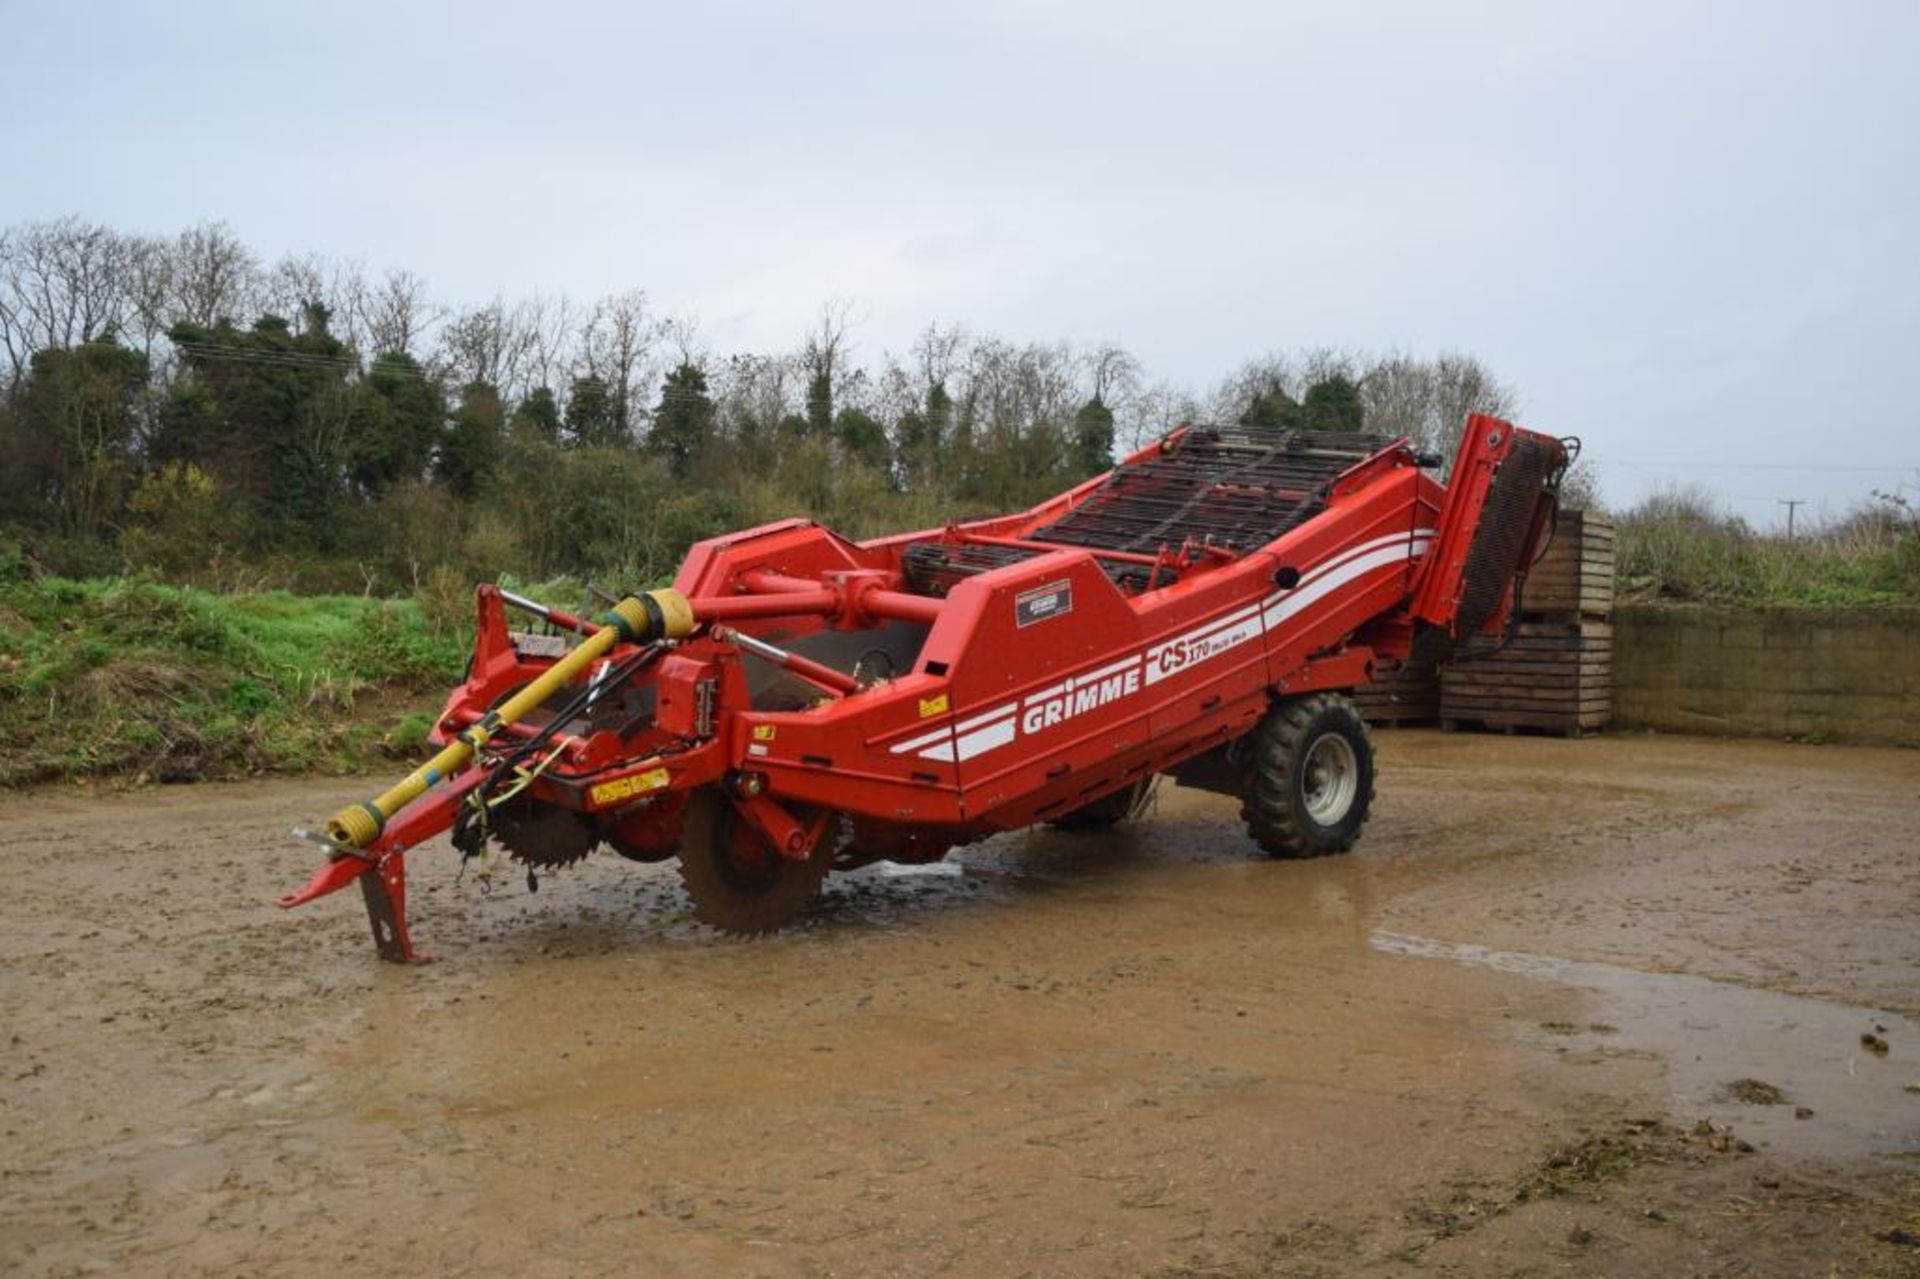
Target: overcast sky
{"points": [[1685, 232]]}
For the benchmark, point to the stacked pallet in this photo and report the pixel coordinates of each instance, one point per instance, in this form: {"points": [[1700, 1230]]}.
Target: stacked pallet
{"points": [[1575, 576], [1408, 694], [1555, 674]]}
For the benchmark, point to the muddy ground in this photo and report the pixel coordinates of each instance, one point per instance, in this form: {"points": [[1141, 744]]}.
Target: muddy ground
{"points": [[1558, 1014]]}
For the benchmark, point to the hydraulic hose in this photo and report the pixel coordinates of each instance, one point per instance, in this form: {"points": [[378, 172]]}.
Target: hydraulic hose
{"points": [[663, 614]]}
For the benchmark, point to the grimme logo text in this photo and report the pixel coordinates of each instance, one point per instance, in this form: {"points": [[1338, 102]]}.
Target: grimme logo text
{"points": [[1081, 700]]}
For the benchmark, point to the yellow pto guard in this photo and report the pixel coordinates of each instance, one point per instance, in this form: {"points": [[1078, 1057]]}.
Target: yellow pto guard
{"points": [[663, 614]]}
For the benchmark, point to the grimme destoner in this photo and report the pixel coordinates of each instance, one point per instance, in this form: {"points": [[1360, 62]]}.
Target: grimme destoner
{"points": [[798, 703]]}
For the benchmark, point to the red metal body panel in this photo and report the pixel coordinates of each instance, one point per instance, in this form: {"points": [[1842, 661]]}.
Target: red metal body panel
{"points": [[1484, 444]]}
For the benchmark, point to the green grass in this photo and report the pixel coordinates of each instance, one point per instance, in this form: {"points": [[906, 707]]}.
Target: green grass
{"points": [[1680, 547], [132, 677]]}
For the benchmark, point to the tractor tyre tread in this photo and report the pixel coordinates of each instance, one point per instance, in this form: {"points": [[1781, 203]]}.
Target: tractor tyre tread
{"points": [[1273, 805]]}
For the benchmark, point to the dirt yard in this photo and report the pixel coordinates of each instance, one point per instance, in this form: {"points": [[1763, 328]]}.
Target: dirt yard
{"points": [[1624, 1006]]}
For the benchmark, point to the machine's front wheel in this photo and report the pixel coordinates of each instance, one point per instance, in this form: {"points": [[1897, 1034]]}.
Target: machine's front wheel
{"points": [[738, 882], [1309, 777]]}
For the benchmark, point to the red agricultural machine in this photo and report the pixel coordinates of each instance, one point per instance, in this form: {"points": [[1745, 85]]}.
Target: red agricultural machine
{"points": [[798, 703]]}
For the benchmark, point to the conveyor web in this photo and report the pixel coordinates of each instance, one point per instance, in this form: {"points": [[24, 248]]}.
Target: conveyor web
{"points": [[1235, 488], [1231, 487]]}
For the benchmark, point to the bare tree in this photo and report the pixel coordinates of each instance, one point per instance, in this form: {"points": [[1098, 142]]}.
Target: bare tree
{"points": [[1013, 388], [1324, 363], [1154, 411], [1463, 385], [555, 323], [13, 323], [937, 354], [62, 283], [1049, 384], [312, 286], [619, 335], [1429, 400], [1113, 375], [827, 345], [492, 345], [214, 275], [149, 283], [753, 394], [1277, 370], [1397, 395], [896, 392], [681, 334], [824, 355], [397, 314]]}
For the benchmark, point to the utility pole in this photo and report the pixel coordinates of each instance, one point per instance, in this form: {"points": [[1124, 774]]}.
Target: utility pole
{"points": [[1791, 503]]}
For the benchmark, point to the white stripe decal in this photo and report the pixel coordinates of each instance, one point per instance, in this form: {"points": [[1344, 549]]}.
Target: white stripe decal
{"points": [[985, 740], [995, 728], [915, 743], [1093, 676], [1414, 543], [1063, 686], [978, 720], [1341, 557], [1081, 681], [1187, 651], [1218, 623], [1324, 584]]}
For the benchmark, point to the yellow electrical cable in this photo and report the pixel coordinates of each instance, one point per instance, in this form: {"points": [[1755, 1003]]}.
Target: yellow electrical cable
{"points": [[526, 779]]}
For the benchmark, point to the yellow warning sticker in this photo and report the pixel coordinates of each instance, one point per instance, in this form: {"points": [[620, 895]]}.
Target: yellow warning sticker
{"points": [[763, 732], [933, 706], [623, 787]]}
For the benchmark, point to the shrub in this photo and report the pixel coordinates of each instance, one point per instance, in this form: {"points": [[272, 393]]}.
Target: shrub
{"points": [[1679, 545], [179, 522]]}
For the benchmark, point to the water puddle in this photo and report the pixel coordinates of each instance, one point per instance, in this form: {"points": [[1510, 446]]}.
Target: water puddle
{"points": [[924, 870], [1804, 1075]]}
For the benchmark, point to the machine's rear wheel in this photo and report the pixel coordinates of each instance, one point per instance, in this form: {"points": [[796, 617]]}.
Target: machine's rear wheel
{"points": [[738, 882], [1123, 805], [1309, 777]]}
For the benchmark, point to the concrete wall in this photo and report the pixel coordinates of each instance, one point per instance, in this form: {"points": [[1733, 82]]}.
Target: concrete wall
{"points": [[1847, 675]]}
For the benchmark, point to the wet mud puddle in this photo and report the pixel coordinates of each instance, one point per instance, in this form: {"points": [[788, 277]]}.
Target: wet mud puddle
{"points": [[1805, 1076]]}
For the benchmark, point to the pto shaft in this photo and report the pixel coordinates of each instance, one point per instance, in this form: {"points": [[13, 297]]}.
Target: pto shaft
{"points": [[663, 614]]}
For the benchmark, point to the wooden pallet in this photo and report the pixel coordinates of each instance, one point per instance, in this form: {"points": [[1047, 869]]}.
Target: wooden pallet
{"points": [[1555, 675], [1575, 576], [1407, 694], [1517, 725]]}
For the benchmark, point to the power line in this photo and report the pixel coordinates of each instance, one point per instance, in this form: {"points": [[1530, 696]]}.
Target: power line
{"points": [[1750, 466]]}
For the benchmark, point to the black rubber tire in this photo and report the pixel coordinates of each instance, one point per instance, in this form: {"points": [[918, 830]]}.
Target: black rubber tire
{"points": [[745, 904], [1123, 805], [1275, 804]]}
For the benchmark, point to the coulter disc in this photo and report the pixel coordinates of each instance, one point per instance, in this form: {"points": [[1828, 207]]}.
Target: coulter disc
{"points": [[543, 837], [738, 882]]}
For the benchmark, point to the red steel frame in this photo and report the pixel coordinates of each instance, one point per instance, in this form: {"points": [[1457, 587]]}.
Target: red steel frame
{"points": [[1006, 718]]}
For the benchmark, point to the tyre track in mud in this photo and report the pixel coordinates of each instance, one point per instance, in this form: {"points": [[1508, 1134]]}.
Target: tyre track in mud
{"points": [[1149, 1051]]}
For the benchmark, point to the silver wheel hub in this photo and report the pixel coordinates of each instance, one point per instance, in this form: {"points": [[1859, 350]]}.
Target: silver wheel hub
{"points": [[1330, 779]]}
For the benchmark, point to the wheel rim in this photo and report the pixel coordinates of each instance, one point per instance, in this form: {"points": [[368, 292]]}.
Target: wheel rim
{"points": [[1330, 778]]}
